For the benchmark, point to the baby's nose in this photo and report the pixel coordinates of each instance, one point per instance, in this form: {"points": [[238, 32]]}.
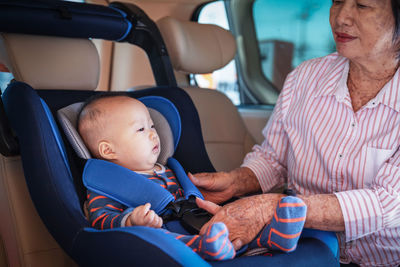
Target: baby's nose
{"points": [[153, 134]]}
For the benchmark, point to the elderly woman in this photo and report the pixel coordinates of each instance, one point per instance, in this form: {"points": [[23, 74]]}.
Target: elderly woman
{"points": [[334, 138]]}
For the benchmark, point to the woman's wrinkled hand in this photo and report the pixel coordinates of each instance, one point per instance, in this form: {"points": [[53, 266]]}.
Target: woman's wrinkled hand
{"points": [[244, 218]]}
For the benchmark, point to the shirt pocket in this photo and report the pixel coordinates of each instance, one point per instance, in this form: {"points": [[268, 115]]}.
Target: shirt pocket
{"points": [[375, 158]]}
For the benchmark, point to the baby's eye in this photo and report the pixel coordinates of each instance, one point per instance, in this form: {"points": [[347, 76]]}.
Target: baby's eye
{"points": [[141, 129], [152, 126]]}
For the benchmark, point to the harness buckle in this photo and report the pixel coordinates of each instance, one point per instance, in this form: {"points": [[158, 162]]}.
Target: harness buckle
{"points": [[189, 214]]}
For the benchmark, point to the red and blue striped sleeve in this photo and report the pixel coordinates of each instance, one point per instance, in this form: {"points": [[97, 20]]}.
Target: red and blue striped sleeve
{"points": [[105, 213]]}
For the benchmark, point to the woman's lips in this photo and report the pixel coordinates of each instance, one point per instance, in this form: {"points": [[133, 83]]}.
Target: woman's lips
{"points": [[344, 37]]}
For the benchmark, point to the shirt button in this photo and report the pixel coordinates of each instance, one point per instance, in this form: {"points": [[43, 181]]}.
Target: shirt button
{"points": [[340, 155], [353, 124]]}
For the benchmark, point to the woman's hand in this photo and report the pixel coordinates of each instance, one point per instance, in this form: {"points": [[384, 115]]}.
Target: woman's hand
{"points": [[216, 187], [219, 187], [143, 216], [244, 218]]}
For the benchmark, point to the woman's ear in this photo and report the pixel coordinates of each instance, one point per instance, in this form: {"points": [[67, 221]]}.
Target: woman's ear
{"points": [[106, 150]]}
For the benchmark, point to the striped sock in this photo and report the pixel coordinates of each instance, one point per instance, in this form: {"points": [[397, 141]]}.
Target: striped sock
{"points": [[285, 228], [213, 245]]}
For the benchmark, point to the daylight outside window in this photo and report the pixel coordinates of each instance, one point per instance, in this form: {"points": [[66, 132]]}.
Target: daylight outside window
{"points": [[288, 33], [5, 77]]}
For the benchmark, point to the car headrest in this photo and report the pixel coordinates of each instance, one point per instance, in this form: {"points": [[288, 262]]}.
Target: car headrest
{"points": [[68, 118], [46, 62], [196, 48]]}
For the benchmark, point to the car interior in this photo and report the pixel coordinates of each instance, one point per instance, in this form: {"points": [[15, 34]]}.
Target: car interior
{"points": [[60, 53]]}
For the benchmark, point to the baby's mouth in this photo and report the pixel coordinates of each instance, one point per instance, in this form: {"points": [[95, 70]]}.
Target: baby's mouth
{"points": [[156, 148]]}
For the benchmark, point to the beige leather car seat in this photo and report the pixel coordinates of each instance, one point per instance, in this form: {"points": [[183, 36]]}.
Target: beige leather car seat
{"points": [[202, 48], [36, 61]]}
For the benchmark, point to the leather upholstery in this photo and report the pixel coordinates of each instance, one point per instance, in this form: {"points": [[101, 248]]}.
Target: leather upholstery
{"points": [[26, 240], [187, 49], [225, 135], [23, 56]]}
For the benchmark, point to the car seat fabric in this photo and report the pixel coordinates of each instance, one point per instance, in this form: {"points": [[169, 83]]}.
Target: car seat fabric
{"points": [[68, 117], [68, 18], [126, 186], [59, 201], [50, 182], [132, 189]]}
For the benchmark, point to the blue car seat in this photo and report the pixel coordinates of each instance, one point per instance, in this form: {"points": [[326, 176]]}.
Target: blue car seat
{"points": [[53, 170]]}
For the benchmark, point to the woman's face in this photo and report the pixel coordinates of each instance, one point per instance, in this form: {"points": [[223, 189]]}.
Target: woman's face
{"points": [[363, 29]]}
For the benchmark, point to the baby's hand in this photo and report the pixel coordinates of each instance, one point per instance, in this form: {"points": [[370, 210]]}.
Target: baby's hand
{"points": [[142, 215]]}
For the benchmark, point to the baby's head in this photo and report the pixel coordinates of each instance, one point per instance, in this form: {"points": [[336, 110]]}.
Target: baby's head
{"points": [[119, 129]]}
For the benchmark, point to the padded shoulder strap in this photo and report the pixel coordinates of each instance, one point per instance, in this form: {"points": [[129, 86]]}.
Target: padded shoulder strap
{"points": [[131, 188], [124, 185], [188, 187]]}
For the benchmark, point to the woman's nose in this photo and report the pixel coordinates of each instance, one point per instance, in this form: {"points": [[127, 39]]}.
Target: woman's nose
{"points": [[344, 13]]}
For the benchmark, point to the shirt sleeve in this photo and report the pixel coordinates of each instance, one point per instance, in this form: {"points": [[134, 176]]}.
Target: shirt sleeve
{"points": [[367, 211], [105, 213], [268, 160]]}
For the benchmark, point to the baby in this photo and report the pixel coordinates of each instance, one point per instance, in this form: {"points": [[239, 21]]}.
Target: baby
{"points": [[119, 129]]}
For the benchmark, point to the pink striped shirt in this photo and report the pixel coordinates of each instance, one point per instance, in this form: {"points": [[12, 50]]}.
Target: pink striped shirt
{"points": [[317, 144]]}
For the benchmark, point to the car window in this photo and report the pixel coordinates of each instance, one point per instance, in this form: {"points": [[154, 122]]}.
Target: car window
{"points": [[5, 78], [287, 33], [290, 32]]}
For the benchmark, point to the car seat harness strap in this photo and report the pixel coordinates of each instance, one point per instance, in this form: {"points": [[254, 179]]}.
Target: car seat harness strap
{"points": [[133, 189]]}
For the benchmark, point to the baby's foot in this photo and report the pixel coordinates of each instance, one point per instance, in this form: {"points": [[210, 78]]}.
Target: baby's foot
{"points": [[286, 226], [213, 245]]}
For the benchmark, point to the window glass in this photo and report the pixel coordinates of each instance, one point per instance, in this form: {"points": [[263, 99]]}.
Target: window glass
{"points": [[290, 32], [225, 79], [5, 78]]}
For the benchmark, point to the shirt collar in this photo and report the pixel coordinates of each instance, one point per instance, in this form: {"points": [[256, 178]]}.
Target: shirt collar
{"points": [[162, 168], [335, 82], [332, 80]]}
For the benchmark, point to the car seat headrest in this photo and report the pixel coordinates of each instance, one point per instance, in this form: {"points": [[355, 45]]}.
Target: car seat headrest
{"points": [[68, 118], [46, 62], [196, 48]]}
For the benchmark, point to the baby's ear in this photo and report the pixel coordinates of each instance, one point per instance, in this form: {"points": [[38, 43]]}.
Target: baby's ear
{"points": [[106, 150]]}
